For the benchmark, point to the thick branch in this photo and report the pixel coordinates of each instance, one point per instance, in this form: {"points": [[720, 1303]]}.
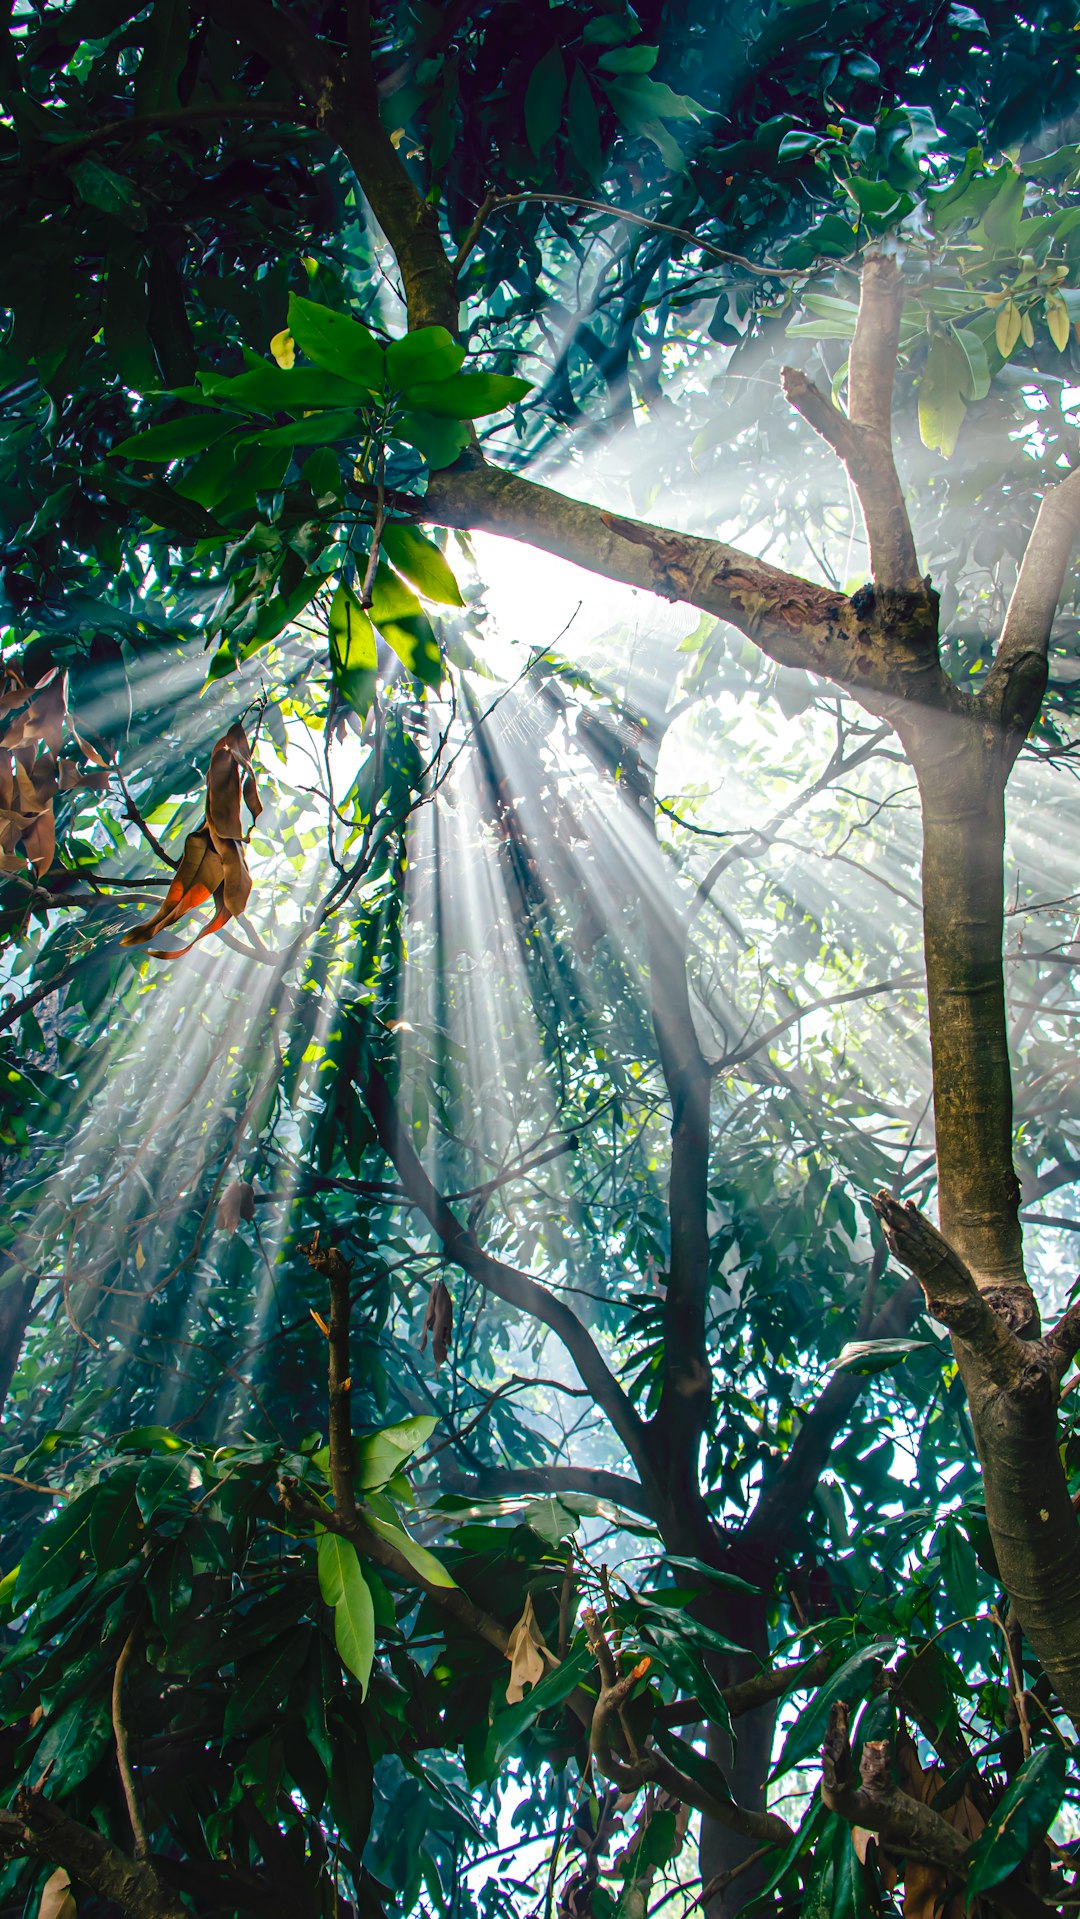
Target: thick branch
{"points": [[795, 622], [1012, 1386], [518, 1289], [950, 1291], [36, 1827], [595, 1482], [787, 1492], [344, 103], [863, 436], [869, 461], [648, 1767], [1017, 680], [905, 1826]]}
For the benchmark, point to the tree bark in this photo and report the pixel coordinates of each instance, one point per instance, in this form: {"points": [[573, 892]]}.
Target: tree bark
{"points": [[958, 764]]}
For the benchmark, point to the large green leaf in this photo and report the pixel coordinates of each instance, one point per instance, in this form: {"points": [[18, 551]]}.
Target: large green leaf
{"points": [[942, 407], [337, 343], [544, 97], [269, 388], [404, 625], [429, 353], [175, 439], [419, 1558], [439, 441], [420, 560], [354, 655], [467, 396], [1020, 1821], [851, 1683], [344, 1587]]}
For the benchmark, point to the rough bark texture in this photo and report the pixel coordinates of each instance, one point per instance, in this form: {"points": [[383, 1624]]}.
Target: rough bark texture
{"points": [[36, 1827]]}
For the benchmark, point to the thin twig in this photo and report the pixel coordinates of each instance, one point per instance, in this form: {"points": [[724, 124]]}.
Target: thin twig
{"points": [[123, 1760]]}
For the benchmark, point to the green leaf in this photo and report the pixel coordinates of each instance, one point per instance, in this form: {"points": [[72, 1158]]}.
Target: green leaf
{"points": [[344, 1587], [867, 1356], [150, 1439], [419, 1558], [354, 656], [260, 1688], [420, 560], [337, 343], [977, 384], [109, 192], [638, 101], [397, 613], [269, 388], [320, 429], [639, 59], [467, 396], [430, 353], [544, 96], [941, 394], [851, 1682], [174, 439], [1020, 1821], [584, 126], [53, 1554], [509, 1724], [380, 1455], [440, 442], [960, 1570], [113, 1522]]}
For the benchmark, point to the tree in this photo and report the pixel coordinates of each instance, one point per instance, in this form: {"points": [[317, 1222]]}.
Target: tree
{"points": [[170, 487]]}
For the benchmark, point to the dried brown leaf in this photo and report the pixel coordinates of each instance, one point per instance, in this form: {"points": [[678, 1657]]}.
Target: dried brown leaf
{"points": [[925, 1885], [237, 1202], [56, 1899], [439, 1322], [523, 1652]]}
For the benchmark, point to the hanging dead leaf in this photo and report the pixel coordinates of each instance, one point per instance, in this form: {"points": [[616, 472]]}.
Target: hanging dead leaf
{"points": [[56, 1899], [523, 1651], [32, 723], [212, 864], [439, 1322], [237, 1202], [925, 1886]]}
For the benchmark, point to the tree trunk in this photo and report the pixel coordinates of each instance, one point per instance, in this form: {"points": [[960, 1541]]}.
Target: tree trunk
{"points": [[958, 763], [1032, 1523]]}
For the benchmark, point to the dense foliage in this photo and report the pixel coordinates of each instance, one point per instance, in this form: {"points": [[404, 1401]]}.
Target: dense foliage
{"points": [[467, 851]]}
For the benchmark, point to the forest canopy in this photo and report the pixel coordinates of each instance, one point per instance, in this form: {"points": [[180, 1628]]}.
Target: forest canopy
{"points": [[538, 738]]}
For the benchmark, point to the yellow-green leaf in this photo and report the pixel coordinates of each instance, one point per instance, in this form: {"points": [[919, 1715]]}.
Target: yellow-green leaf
{"points": [[1057, 321], [1007, 328], [354, 654], [344, 1587], [941, 394], [283, 348], [421, 562]]}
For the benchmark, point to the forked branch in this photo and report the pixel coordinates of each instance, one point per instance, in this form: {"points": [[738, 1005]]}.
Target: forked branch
{"points": [[1017, 680], [863, 435]]}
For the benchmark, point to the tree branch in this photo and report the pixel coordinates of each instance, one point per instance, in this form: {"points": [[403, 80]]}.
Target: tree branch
{"points": [[951, 1293], [37, 1827], [344, 100], [595, 1482], [1017, 680], [793, 621], [1012, 1387], [786, 1492], [518, 1289], [120, 1737], [863, 435], [904, 1825]]}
